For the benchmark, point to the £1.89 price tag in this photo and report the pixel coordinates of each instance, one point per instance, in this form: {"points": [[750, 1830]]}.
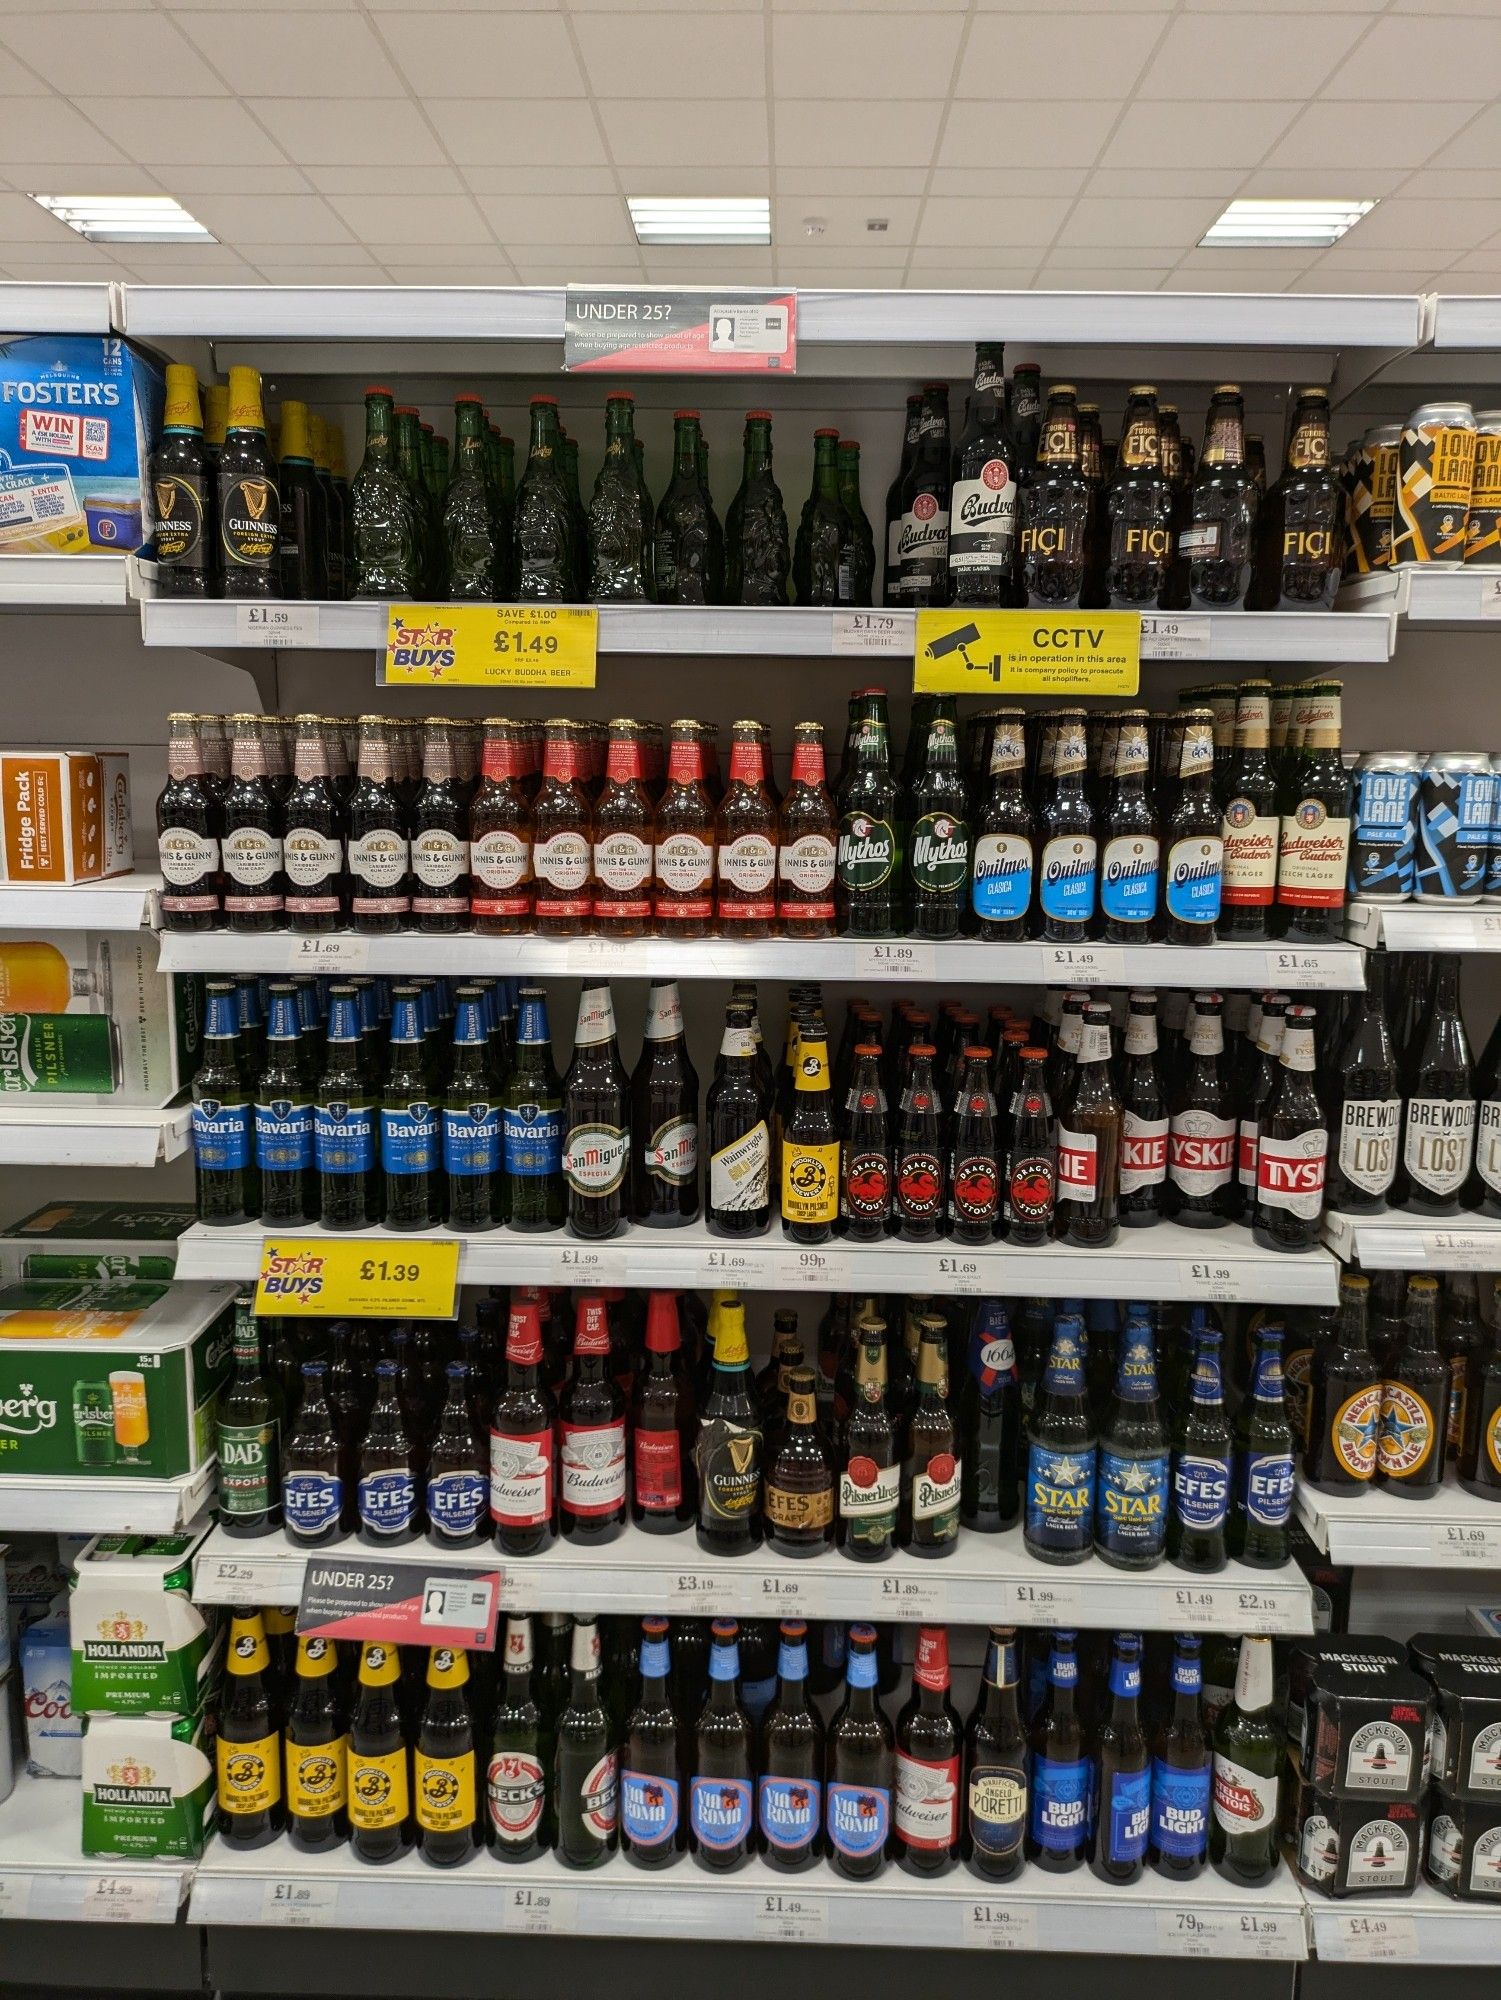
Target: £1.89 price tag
{"points": [[315, 1277], [491, 645]]}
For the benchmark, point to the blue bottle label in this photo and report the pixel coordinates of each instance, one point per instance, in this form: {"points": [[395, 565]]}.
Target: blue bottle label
{"points": [[756, 1696], [1180, 1810], [859, 1818], [471, 1140], [1264, 1487], [533, 1141], [719, 1811], [790, 1810], [409, 1140], [648, 1808], [861, 1672], [1060, 1803], [1128, 1816], [221, 1135], [387, 1501], [284, 1136], [1068, 877], [1131, 1503], [1201, 1491], [1002, 876], [456, 1503], [1128, 878], [656, 1661], [1195, 875], [344, 1138], [1060, 1496], [311, 1500]]}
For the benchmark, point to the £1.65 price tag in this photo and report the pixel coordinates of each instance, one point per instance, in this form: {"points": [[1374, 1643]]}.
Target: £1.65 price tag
{"points": [[491, 645], [315, 1277]]}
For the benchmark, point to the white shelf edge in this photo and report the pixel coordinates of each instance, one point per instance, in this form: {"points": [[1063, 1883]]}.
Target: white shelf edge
{"points": [[61, 1504], [1415, 926], [1426, 1928], [45, 1876], [61, 583], [117, 903], [1453, 1531], [1398, 1241], [1465, 319], [44, 1133], [56, 308]]}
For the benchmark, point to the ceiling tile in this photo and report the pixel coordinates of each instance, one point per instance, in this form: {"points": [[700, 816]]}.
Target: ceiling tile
{"points": [[1254, 7], [179, 263], [565, 219], [1273, 279], [897, 131], [1238, 56], [1340, 139], [1367, 281], [42, 131], [1008, 180], [466, 55], [976, 221], [402, 179], [830, 183], [139, 55], [993, 259], [432, 274], [642, 6], [811, 258], [1412, 225], [1477, 145], [537, 268], [898, 55], [282, 6], [969, 137], [542, 131], [1163, 183], [187, 183], [1212, 135], [309, 54], [244, 219], [845, 221], [545, 180], [972, 277], [728, 131], [1292, 183], [1397, 53], [182, 131], [1352, 253], [22, 221], [25, 265], [411, 218], [707, 264], [474, 258], [842, 278], [1102, 60], [348, 132], [348, 259], [638, 54], [1209, 266], [1172, 225], [856, 6]]}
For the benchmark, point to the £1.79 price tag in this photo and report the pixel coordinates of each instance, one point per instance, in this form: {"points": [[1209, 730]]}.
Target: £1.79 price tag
{"points": [[315, 1277], [491, 645]]}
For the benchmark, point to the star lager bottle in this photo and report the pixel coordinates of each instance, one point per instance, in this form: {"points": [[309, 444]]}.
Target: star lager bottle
{"points": [[1061, 1454], [247, 1749], [1131, 1494]]}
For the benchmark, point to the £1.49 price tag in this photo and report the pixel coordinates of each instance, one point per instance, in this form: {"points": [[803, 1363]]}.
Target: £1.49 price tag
{"points": [[491, 645], [315, 1277]]}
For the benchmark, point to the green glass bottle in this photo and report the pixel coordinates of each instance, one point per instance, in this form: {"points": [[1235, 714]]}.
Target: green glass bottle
{"points": [[577, 515], [411, 1148], [648, 518], [469, 526], [869, 864], [824, 530], [346, 1112], [532, 1192], [302, 557], [424, 517], [858, 564], [683, 541], [248, 1434], [228, 1180], [716, 530], [382, 525], [542, 569], [757, 557], [617, 546]]}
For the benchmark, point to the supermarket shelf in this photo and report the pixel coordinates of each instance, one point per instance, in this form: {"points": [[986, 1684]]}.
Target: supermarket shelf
{"points": [[1401, 1242], [103, 1506], [1036, 1912], [989, 1579], [897, 959], [40, 1132], [1171, 1263], [119, 903], [1425, 926], [1453, 1530], [61, 583], [44, 1877], [1460, 320], [1427, 1927], [1429, 596], [42, 308]]}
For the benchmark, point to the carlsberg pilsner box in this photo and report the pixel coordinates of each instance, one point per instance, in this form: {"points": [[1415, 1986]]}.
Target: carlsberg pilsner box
{"points": [[148, 1786], [140, 1644], [110, 1381]]}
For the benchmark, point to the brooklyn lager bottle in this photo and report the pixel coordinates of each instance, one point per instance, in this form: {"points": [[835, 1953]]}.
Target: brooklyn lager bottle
{"points": [[316, 1741], [861, 1767], [1061, 1454], [247, 1747], [225, 1170], [810, 1145], [1182, 1760], [252, 1412], [586, 1780], [1247, 1759], [380, 1770], [929, 1742], [995, 1767], [516, 1782], [653, 1830], [1060, 1818], [1199, 1501]]}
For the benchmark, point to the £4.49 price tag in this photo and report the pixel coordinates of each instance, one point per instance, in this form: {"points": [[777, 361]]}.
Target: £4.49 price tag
{"points": [[1360, 1934]]}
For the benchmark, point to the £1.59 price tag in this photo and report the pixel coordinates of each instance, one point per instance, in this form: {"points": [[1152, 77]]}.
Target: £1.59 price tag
{"points": [[491, 645], [314, 1277], [1027, 652]]}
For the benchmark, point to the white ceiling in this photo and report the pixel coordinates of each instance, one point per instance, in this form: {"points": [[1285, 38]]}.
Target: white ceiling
{"points": [[495, 141]]}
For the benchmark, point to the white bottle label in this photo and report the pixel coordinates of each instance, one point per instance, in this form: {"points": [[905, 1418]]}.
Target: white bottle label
{"points": [[500, 860], [1290, 1172], [749, 864], [622, 861], [1201, 1151], [562, 861], [1143, 1152], [310, 857], [1078, 1165], [1368, 1132], [251, 857], [439, 858], [380, 859], [1244, 1801], [807, 863], [1439, 1142], [740, 1175], [185, 855], [684, 863]]}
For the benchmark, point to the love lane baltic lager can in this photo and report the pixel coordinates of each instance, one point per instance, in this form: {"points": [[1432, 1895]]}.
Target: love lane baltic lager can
{"points": [[1373, 495], [1435, 473], [1483, 531]]}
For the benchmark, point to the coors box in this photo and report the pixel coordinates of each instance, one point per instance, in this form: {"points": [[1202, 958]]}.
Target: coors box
{"points": [[1355, 1846], [1464, 1845], [1361, 1714], [1465, 1736]]}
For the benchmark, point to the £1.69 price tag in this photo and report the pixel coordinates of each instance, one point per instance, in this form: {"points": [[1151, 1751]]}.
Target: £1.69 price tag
{"points": [[491, 645], [315, 1277]]}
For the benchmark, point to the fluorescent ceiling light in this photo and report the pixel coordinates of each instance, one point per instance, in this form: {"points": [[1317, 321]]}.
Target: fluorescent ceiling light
{"points": [[686, 219], [125, 218], [1308, 225]]}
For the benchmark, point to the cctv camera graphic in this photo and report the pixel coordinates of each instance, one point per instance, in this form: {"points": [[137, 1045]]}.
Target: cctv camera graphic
{"points": [[959, 641]]}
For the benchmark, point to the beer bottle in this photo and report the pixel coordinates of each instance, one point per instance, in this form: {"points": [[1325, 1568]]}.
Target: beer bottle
{"points": [[686, 538], [1118, 1846], [317, 1751], [721, 1813], [1031, 1157], [284, 1119], [346, 1108], [1261, 1506], [440, 845], [800, 1477], [995, 1767], [664, 1117], [1200, 1472], [389, 1466], [1248, 820], [621, 833], [868, 875], [652, 1831], [410, 1146], [869, 1458], [1194, 871], [1255, 1093], [1365, 1110], [448, 1823], [1483, 1192], [861, 1768], [1060, 1818], [591, 1430], [523, 1442], [810, 1144], [225, 1173], [865, 1161], [1344, 1399], [737, 1195], [253, 821], [824, 532], [1479, 1456], [563, 834], [1414, 1402], [543, 563], [1220, 539], [1292, 1147], [755, 524], [929, 1741], [1131, 1492], [1131, 860], [1182, 1757], [807, 841], [182, 481], [377, 849], [457, 1470], [187, 828], [1313, 803], [1461, 1339], [1069, 865], [471, 1121], [1144, 1120], [683, 895], [380, 1790], [1061, 1454], [302, 553], [922, 576], [249, 502], [745, 841], [618, 550], [313, 1464], [989, 1424], [984, 491], [596, 1122], [587, 1772], [1089, 1141], [918, 1163], [1438, 1141], [1301, 525], [857, 554], [532, 1190], [248, 1747], [727, 1453], [1201, 1144], [1139, 507], [251, 1414], [516, 1780], [891, 569], [1054, 508], [789, 1792], [1002, 867], [1247, 1759], [500, 835], [938, 847], [386, 560], [663, 1496], [932, 1474]]}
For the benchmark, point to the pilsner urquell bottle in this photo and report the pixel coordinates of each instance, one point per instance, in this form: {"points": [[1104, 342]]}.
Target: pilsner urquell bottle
{"points": [[870, 1468], [346, 1109], [224, 1163]]}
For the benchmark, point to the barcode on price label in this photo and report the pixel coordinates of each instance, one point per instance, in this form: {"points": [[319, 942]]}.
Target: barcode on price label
{"points": [[1000, 1926], [1210, 1278], [225, 1580], [1176, 637], [276, 624], [896, 960], [830, 1270], [1467, 1542], [1048, 1603]]}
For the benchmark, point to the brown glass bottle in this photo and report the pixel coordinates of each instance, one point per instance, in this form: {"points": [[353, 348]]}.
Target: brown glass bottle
{"points": [[664, 1118], [1301, 531], [870, 1471], [187, 824], [683, 893], [1344, 1400], [440, 844], [313, 845], [500, 835], [1480, 1443], [808, 839], [1139, 506], [591, 1434], [249, 503], [745, 838], [562, 835], [252, 844], [623, 842], [1089, 1143], [377, 850], [1201, 1145], [1414, 1402], [664, 1479], [928, 1745], [799, 1490]]}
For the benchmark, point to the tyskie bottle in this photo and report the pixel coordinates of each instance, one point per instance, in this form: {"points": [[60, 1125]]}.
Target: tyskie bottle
{"points": [[728, 1449], [721, 1806], [1089, 1140], [929, 1742], [989, 1424], [596, 1123], [586, 1780], [444, 1764], [1060, 1804], [1260, 1064], [516, 1778], [1199, 1473], [1292, 1146], [247, 1747], [1031, 1175], [315, 1740], [1247, 1760], [380, 1762], [591, 1433], [1415, 1396], [789, 1791], [1261, 1506], [1201, 1145], [869, 1455], [995, 1767], [933, 1473], [1182, 1764], [1131, 1492], [861, 1768]]}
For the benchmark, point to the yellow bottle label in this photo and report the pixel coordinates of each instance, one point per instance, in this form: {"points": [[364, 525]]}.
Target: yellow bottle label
{"points": [[1355, 1429], [810, 1182], [1493, 1439], [378, 1791], [317, 1778], [249, 1774], [788, 1509], [445, 1792]]}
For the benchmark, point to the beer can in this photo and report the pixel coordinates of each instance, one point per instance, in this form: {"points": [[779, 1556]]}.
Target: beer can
{"points": [[1435, 472], [1483, 530], [1456, 805], [1373, 497], [1493, 868], [1383, 837]]}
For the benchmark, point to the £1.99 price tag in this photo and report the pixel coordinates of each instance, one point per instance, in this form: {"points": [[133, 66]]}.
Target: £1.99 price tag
{"points": [[491, 645], [315, 1277]]}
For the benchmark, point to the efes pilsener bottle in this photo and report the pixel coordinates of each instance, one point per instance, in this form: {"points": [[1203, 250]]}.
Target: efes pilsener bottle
{"points": [[1262, 1506], [1061, 1454], [411, 1148], [247, 1749], [1199, 1502], [182, 488], [345, 1113], [249, 526]]}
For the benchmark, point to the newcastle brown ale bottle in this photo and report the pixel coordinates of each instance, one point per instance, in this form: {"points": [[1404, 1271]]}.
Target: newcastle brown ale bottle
{"points": [[1415, 1402]]}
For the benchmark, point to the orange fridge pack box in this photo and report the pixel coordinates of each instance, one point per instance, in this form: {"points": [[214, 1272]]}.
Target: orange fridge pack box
{"points": [[64, 815]]}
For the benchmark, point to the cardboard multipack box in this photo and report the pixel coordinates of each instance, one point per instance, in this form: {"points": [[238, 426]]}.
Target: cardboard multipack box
{"points": [[1464, 1739], [140, 1644], [1358, 1717], [88, 1013], [113, 1381], [64, 815], [1464, 1845], [1356, 1845], [95, 1239], [148, 1786], [54, 1732], [78, 413]]}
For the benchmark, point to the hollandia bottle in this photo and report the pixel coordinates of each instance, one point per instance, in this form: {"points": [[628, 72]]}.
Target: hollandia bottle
{"points": [[1061, 1454], [721, 1821], [1181, 1766], [861, 1768], [653, 1828], [1060, 1808], [1131, 1496]]}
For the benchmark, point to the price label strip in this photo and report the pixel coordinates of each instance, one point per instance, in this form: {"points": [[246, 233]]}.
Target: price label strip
{"points": [[1178, 635], [799, 1919], [328, 954], [1027, 652], [541, 1910], [228, 1580], [1048, 1603], [491, 645], [896, 959], [1210, 1278], [871, 632], [404, 1603], [1000, 1926], [298, 1903], [15, 1895], [316, 1277], [1306, 970], [1358, 1935], [1084, 964], [694, 1590], [959, 1274], [1465, 1542], [130, 1899], [912, 1597], [276, 624], [823, 1270], [1229, 1934]]}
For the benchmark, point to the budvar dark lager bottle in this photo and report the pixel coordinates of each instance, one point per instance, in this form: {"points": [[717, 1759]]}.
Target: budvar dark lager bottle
{"points": [[346, 1108], [1181, 1769], [316, 1741], [1140, 505], [225, 1171], [249, 527], [862, 1768], [1247, 1759], [410, 1141], [984, 496], [516, 1780], [596, 1123], [1118, 1851], [1055, 508], [380, 1772], [756, 545], [383, 528], [653, 1831], [1061, 1454], [252, 1412], [923, 540], [543, 563], [587, 1771], [1132, 1490], [721, 1819], [1200, 1473], [1263, 1498], [252, 1810], [444, 1764], [1060, 1818], [1414, 1402], [728, 1451], [995, 1767], [867, 885]]}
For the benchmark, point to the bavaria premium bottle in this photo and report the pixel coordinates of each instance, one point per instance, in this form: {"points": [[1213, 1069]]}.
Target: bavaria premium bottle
{"points": [[1344, 1400], [314, 1462], [861, 1768], [789, 1794], [923, 542], [737, 1197], [411, 1148], [756, 547], [516, 1779], [316, 1744], [1219, 540], [728, 1450], [1144, 1119], [932, 1475], [1199, 1475], [664, 1117], [596, 1122], [249, 503], [1118, 1851], [225, 1173], [1248, 823], [247, 1749], [1201, 1145], [383, 525], [471, 1121], [1182, 1762], [532, 1189], [810, 1144], [1061, 1454], [995, 1767], [1131, 852], [652, 1829], [543, 565], [1068, 867], [929, 1740], [664, 1493], [1438, 1140], [389, 1467], [983, 525], [591, 1431], [1292, 1146], [1054, 508], [1263, 1498], [1414, 1402], [721, 1813], [938, 844], [1194, 870], [618, 553], [869, 1455], [1089, 1139], [868, 878], [1365, 1107], [380, 1766], [346, 1107], [1139, 503], [182, 485], [248, 1433], [1313, 803], [523, 1442], [1058, 1826], [1031, 1172], [586, 1772], [1247, 1759], [1005, 838], [444, 1776], [1131, 1490], [1301, 526]]}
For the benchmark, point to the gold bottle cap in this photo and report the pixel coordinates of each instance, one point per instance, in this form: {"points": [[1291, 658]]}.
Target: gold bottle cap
{"points": [[296, 432], [245, 410], [182, 410], [215, 412]]}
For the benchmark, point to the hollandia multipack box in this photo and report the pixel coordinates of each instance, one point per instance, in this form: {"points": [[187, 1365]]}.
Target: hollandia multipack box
{"points": [[95, 1240], [77, 416], [112, 1381], [141, 1646], [148, 1786]]}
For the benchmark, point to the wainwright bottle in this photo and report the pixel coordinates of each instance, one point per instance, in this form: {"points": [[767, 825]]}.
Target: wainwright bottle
{"points": [[807, 841], [562, 835], [684, 860], [500, 835], [745, 838], [623, 838]]}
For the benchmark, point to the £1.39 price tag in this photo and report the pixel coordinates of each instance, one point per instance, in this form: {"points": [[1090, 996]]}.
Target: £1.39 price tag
{"points": [[316, 1277], [491, 645]]}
